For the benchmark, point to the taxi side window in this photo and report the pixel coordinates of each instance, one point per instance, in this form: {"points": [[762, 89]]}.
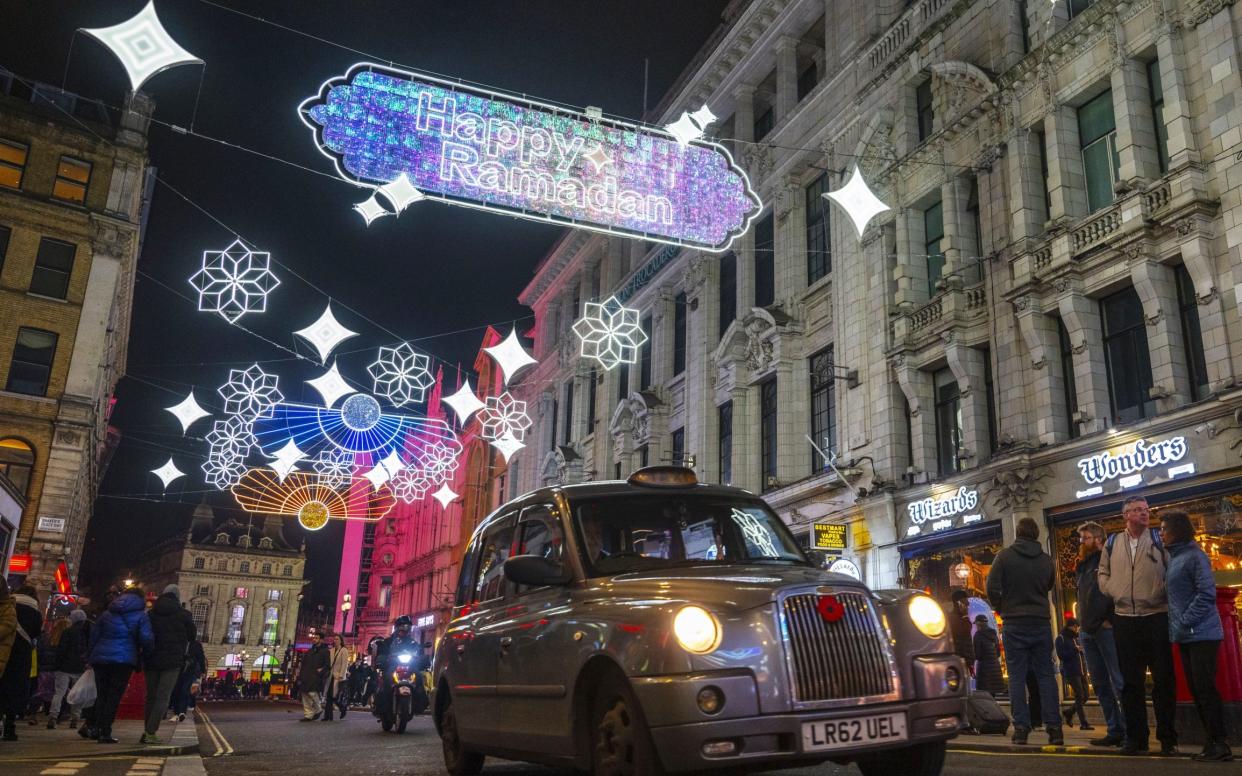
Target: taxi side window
{"points": [[539, 533], [465, 585], [496, 546]]}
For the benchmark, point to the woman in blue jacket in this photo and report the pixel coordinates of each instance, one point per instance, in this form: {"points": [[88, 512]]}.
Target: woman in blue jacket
{"points": [[1195, 626], [118, 641]]}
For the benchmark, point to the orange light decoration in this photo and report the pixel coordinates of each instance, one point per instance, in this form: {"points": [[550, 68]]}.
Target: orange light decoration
{"points": [[304, 496]]}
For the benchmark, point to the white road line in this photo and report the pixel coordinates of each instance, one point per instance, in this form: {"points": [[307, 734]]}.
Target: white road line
{"points": [[71, 764], [223, 747], [58, 772]]}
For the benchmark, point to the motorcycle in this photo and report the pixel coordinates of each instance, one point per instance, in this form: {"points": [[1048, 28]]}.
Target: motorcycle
{"points": [[406, 695]]}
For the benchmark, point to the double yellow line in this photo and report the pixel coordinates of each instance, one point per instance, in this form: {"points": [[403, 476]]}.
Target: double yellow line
{"points": [[223, 747]]}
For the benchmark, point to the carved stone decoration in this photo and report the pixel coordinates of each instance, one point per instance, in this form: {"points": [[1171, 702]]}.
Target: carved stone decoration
{"points": [[1021, 303], [1061, 285], [788, 195], [68, 437], [1185, 226], [966, 85], [696, 273], [1017, 487], [1204, 10]]}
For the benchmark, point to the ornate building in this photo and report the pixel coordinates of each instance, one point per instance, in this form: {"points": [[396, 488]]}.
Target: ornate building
{"points": [[241, 582], [74, 186]]}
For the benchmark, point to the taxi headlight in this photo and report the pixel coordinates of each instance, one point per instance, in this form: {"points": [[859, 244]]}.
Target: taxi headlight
{"points": [[927, 615], [696, 630]]}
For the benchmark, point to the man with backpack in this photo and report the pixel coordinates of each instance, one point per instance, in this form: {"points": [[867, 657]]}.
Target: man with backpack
{"points": [[1132, 572]]}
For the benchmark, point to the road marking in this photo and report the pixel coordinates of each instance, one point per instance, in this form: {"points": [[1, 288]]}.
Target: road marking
{"points": [[151, 760], [72, 764], [223, 747], [58, 772]]}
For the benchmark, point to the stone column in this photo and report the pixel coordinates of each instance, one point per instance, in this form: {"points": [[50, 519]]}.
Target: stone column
{"points": [[1047, 384], [790, 238], [786, 75], [968, 369], [1136, 137], [1157, 289], [1198, 256], [917, 386], [746, 457], [662, 311], [1081, 316], [744, 246], [1027, 188], [953, 194], [1177, 111], [910, 272], [1067, 182], [702, 435]]}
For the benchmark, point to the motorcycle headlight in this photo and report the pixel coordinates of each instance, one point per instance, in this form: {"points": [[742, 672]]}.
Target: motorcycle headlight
{"points": [[927, 615], [696, 630], [403, 658]]}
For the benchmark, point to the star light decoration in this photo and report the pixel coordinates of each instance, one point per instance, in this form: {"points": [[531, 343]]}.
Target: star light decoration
{"points": [[325, 334], [445, 495], [691, 126], [411, 484], [507, 445], [504, 416], [143, 46], [858, 201], [286, 459], [233, 435], [609, 333], [401, 375], [334, 467], [168, 472], [511, 356], [250, 393], [464, 402], [400, 192], [187, 412], [331, 386], [223, 469], [234, 281], [385, 470]]}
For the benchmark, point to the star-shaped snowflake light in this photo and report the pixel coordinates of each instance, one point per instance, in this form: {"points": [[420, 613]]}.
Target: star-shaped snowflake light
{"points": [[507, 445], [464, 402], [167, 473], [371, 209], [504, 416], [143, 45], [859, 202], [286, 460], [609, 333], [250, 393], [234, 434], [187, 412], [691, 126], [223, 470], [234, 281], [411, 484], [511, 356], [325, 334], [385, 470], [401, 193], [438, 460], [445, 495], [334, 467], [331, 386], [401, 375]]}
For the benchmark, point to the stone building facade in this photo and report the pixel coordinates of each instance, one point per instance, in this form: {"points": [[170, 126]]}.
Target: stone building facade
{"points": [[1057, 281], [241, 583], [74, 183]]}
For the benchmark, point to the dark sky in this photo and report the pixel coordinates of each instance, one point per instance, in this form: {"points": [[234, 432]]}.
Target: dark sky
{"points": [[435, 276]]}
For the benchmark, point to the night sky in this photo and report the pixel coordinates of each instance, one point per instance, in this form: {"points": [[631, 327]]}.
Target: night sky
{"points": [[436, 276]]}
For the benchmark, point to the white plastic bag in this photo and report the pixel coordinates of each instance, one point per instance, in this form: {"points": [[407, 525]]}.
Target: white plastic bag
{"points": [[83, 692]]}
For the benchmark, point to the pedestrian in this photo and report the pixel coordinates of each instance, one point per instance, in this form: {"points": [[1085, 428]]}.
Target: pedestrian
{"points": [[173, 629], [15, 683], [313, 675], [988, 674], [1095, 619], [959, 626], [1018, 586], [183, 694], [1073, 670], [338, 669], [118, 641], [70, 662], [1133, 566], [1196, 628], [45, 662]]}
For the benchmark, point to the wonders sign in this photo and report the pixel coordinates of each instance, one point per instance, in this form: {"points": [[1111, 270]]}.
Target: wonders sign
{"points": [[481, 149]]}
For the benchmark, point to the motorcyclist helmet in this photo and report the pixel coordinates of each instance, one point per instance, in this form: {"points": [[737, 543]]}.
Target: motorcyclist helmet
{"points": [[403, 625]]}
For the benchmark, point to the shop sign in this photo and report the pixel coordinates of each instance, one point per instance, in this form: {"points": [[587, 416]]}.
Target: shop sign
{"points": [[830, 536], [52, 524], [20, 564], [845, 566], [1127, 466], [944, 507], [492, 151], [425, 621]]}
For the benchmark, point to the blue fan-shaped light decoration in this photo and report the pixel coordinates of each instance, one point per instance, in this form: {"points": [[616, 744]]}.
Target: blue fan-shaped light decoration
{"points": [[356, 425]]}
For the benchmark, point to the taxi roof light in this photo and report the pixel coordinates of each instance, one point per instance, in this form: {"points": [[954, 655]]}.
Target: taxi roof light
{"points": [[664, 477]]}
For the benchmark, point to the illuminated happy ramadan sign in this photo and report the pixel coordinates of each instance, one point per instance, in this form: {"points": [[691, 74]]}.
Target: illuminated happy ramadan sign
{"points": [[481, 149]]}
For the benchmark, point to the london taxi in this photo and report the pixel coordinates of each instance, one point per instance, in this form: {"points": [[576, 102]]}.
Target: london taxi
{"points": [[657, 625]]}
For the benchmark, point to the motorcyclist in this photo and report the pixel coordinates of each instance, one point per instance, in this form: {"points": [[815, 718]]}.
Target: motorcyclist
{"points": [[386, 652]]}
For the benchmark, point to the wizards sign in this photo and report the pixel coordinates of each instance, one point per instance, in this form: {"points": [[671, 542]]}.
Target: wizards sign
{"points": [[481, 149]]}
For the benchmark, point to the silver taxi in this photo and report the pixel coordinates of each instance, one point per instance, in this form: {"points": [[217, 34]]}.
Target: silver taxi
{"points": [[659, 625]]}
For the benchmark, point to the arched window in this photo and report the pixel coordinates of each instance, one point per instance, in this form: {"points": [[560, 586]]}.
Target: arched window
{"points": [[199, 563], [271, 624], [16, 463], [199, 611], [237, 615], [263, 662], [231, 660]]}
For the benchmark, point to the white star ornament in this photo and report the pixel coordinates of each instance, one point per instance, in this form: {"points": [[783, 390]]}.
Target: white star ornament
{"points": [[511, 356], [143, 46], [858, 200]]}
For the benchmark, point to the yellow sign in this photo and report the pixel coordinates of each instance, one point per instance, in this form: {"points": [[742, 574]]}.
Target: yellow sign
{"points": [[829, 536]]}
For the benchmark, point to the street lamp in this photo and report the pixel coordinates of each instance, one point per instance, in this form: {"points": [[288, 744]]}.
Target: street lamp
{"points": [[346, 605], [129, 583]]}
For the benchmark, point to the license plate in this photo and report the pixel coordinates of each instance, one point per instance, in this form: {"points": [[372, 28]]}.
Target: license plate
{"points": [[403, 690], [826, 734]]}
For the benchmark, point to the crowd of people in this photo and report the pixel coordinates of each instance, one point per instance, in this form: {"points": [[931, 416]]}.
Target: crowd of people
{"points": [[1140, 592], [76, 670]]}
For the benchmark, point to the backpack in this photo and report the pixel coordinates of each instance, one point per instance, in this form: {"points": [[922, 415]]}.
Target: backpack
{"points": [[985, 715], [1155, 540]]}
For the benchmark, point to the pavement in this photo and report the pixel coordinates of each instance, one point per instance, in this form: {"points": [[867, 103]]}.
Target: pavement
{"points": [[62, 752]]}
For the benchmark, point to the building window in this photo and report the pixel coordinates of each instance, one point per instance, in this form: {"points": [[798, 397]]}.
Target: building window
{"points": [[807, 80], [5, 233], [616, 470], [1157, 114], [72, 177], [245, 567], [642, 456], [31, 368], [590, 413], [199, 563], [972, 272], [1024, 20], [948, 422], [1097, 133], [644, 357], [765, 262], [199, 610], [933, 234], [727, 292], [923, 105], [555, 415], [677, 456], [367, 553], [1067, 378], [16, 463], [724, 448], [271, 624], [1041, 141], [273, 595], [12, 163], [1076, 7], [764, 124], [823, 407], [267, 570], [989, 390], [679, 333], [241, 592], [1126, 356], [818, 234], [1192, 335], [623, 381], [385, 593], [569, 412], [287, 572], [52, 269], [237, 616], [767, 435]]}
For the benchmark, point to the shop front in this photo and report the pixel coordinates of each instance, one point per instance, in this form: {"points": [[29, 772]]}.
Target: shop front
{"points": [[947, 540]]}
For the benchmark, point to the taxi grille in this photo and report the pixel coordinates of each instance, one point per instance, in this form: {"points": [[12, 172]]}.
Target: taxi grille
{"points": [[836, 660]]}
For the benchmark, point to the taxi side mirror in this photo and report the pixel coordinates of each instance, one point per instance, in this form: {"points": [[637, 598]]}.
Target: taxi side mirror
{"points": [[536, 571]]}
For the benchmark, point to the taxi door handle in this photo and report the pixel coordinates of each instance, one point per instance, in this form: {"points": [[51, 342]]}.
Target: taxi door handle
{"points": [[505, 641]]}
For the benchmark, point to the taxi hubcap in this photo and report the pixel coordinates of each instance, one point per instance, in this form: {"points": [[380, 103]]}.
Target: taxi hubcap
{"points": [[615, 740]]}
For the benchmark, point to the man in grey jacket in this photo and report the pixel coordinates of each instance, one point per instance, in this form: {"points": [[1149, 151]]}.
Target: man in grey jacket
{"points": [[1018, 586], [1132, 570]]}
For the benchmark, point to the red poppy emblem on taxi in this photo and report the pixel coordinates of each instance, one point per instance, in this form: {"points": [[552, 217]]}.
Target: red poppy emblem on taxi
{"points": [[830, 608]]}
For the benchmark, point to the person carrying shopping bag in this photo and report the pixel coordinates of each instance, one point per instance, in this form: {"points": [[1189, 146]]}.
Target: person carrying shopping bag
{"points": [[118, 641]]}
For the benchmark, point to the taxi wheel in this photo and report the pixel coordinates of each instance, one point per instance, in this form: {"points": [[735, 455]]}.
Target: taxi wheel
{"points": [[458, 760], [918, 760], [620, 742]]}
